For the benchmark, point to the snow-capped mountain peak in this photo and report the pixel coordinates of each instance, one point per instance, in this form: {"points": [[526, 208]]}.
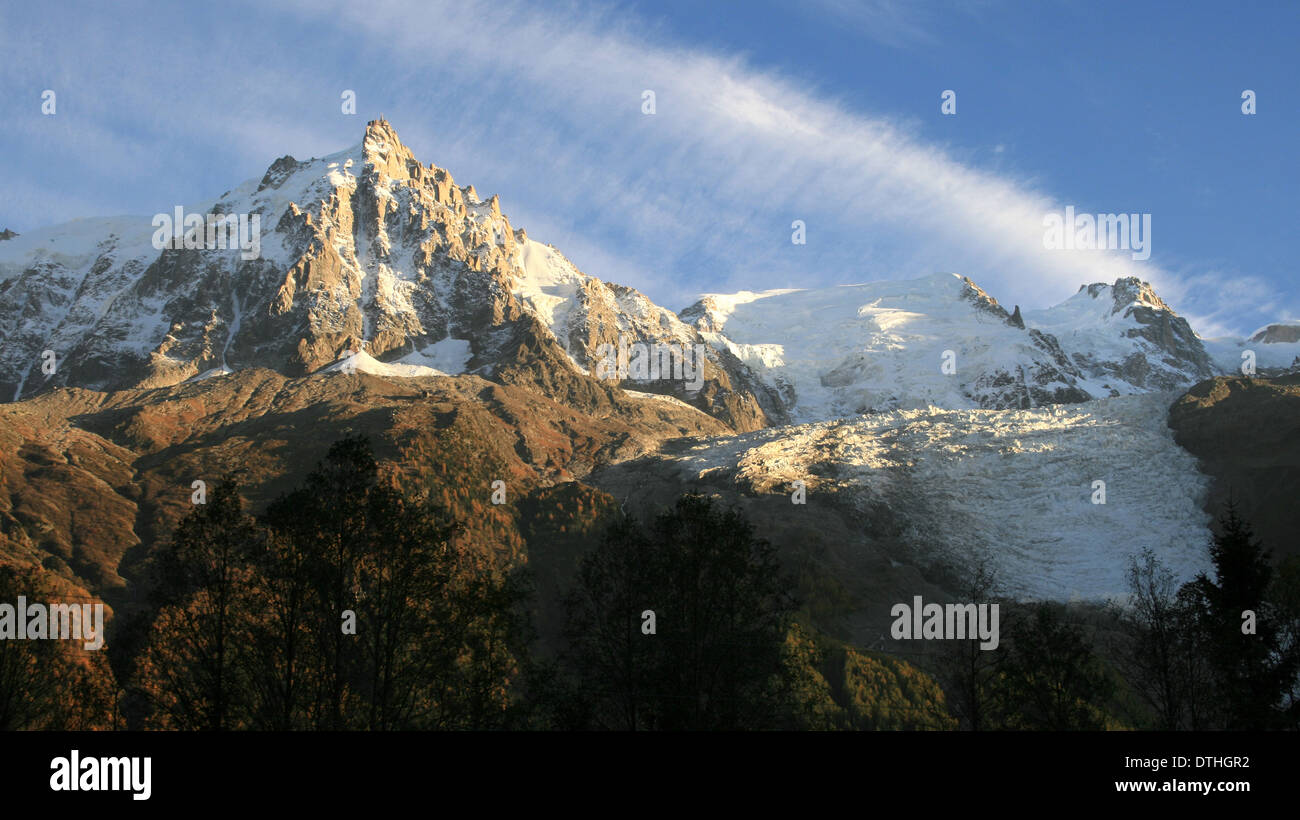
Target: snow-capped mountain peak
{"points": [[1277, 333], [942, 340], [365, 250], [370, 250], [1125, 339]]}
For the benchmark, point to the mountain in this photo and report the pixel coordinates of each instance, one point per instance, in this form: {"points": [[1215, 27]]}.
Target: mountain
{"points": [[91, 483], [1125, 339], [933, 489], [1245, 434], [368, 251], [864, 348], [940, 424], [1274, 351], [364, 250], [1281, 333]]}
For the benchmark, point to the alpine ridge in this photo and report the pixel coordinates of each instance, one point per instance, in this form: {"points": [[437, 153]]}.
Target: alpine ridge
{"points": [[366, 251], [892, 400], [372, 259]]}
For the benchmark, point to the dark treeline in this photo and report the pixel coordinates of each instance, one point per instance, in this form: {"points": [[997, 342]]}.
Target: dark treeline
{"points": [[52, 685], [348, 605], [351, 605], [354, 603]]}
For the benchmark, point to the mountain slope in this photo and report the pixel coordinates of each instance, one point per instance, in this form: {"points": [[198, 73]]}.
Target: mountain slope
{"points": [[1245, 434], [1125, 339], [92, 482]]}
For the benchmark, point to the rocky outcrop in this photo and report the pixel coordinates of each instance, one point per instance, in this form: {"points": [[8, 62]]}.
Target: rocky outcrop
{"points": [[1282, 333], [1246, 434], [1169, 334]]}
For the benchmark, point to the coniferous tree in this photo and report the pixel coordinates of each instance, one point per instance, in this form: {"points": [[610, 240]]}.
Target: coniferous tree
{"points": [[1252, 675]]}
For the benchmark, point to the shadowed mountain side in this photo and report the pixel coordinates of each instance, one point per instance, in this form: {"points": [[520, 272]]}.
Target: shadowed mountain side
{"points": [[1246, 434], [849, 562]]}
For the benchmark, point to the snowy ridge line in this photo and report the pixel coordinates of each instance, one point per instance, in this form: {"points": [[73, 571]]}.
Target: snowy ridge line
{"points": [[368, 246]]}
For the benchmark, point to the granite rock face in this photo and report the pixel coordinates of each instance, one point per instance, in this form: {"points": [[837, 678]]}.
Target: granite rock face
{"points": [[364, 250]]}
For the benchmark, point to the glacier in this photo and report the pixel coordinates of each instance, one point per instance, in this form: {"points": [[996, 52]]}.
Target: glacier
{"points": [[1015, 487]]}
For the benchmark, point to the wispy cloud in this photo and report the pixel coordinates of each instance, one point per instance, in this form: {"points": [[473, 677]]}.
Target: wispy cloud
{"points": [[732, 155], [886, 21], [544, 106]]}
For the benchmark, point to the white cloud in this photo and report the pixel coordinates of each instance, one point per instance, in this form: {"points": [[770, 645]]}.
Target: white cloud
{"points": [[544, 108], [728, 139], [887, 21]]}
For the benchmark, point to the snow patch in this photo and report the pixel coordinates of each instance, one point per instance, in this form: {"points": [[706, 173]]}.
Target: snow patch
{"points": [[637, 394], [869, 346], [446, 356], [1225, 352], [363, 362], [211, 374]]}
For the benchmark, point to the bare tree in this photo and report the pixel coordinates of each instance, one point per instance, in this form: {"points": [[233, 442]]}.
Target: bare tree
{"points": [[965, 669]]}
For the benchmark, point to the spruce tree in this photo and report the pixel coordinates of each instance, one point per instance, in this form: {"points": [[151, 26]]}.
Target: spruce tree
{"points": [[1239, 629]]}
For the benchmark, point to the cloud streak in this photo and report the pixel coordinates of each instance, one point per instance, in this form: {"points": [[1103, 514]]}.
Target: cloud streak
{"points": [[544, 108], [732, 155]]}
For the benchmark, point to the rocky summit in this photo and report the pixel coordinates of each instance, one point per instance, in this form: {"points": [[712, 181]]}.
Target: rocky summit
{"points": [[367, 250]]}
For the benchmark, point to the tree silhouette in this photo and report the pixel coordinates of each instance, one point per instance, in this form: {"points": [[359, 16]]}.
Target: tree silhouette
{"points": [[967, 670], [350, 605], [192, 668], [1157, 650], [718, 658], [1252, 675], [436, 626], [1051, 679]]}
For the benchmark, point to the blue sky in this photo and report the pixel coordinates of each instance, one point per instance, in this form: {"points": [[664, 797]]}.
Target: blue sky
{"points": [[826, 111]]}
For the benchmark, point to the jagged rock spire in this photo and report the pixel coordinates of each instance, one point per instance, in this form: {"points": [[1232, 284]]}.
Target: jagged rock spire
{"points": [[383, 149]]}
